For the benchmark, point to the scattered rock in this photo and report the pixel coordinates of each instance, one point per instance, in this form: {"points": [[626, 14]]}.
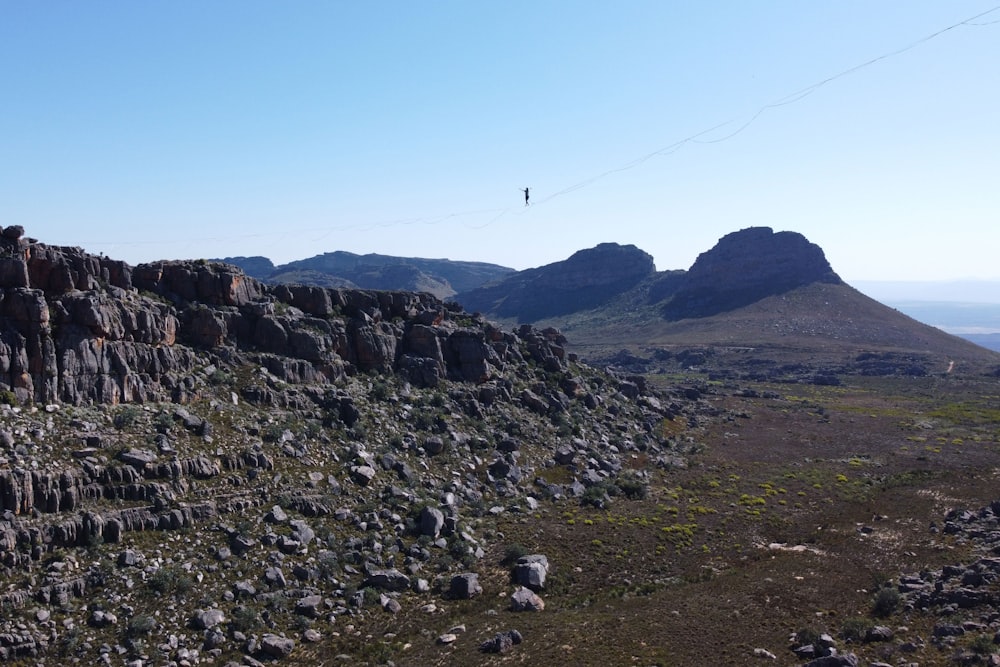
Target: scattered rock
{"points": [[524, 599], [502, 642], [464, 586], [531, 570], [207, 619], [277, 647]]}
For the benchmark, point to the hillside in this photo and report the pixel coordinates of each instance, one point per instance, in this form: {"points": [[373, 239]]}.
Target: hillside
{"points": [[760, 303], [441, 277], [187, 448]]}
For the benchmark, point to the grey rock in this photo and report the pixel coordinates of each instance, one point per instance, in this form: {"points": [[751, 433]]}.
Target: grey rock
{"points": [[879, 633], [531, 571], [275, 577], [311, 606], [362, 475], [524, 599], [388, 580], [502, 642], [276, 515], [277, 647], [431, 521], [101, 619], [465, 586], [207, 619], [840, 660], [302, 531], [137, 458]]}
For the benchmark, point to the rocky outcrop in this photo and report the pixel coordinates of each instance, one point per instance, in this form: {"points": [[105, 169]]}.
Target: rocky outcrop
{"points": [[586, 280], [195, 466], [83, 329], [747, 266]]}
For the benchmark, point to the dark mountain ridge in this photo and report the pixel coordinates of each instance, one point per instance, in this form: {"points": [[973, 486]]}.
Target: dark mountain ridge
{"points": [[585, 280], [742, 268], [772, 296], [441, 277]]}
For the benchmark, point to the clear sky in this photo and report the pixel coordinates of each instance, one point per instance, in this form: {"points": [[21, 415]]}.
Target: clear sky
{"points": [[149, 130]]}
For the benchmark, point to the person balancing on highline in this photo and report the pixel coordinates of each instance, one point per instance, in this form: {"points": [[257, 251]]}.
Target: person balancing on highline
{"points": [[525, 190]]}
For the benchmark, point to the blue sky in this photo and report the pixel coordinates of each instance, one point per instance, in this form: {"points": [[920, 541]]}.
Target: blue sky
{"points": [[148, 130]]}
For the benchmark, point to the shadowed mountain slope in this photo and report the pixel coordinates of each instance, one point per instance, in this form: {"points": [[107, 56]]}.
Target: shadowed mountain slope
{"points": [[588, 279]]}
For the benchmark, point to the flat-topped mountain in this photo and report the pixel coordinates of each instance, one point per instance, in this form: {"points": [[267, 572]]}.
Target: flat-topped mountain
{"points": [[586, 280], [441, 277], [745, 267]]}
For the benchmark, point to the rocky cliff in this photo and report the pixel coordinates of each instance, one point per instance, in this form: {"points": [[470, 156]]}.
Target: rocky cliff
{"points": [[78, 328]]}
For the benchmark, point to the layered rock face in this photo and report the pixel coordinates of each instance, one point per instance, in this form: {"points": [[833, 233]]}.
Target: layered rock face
{"points": [[747, 266], [77, 328]]}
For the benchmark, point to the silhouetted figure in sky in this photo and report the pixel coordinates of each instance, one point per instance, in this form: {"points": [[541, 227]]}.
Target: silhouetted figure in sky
{"points": [[526, 195]]}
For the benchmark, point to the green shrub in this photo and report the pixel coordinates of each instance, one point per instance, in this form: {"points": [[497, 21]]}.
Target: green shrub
{"points": [[380, 390], [8, 397], [163, 422], [598, 495], [219, 378], [855, 628], [632, 487], [244, 619], [512, 553], [140, 625], [982, 644], [272, 432], [170, 580], [886, 601], [126, 416], [807, 636]]}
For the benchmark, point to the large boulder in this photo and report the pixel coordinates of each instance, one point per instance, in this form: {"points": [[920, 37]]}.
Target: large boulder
{"points": [[530, 571], [464, 586]]}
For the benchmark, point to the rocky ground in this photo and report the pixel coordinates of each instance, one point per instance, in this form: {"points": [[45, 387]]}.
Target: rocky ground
{"points": [[196, 468]]}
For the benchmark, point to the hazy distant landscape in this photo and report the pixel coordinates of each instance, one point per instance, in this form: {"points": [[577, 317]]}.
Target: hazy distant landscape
{"points": [[970, 309]]}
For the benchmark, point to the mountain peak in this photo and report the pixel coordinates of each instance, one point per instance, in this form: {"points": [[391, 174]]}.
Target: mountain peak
{"points": [[747, 266], [587, 279]]}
